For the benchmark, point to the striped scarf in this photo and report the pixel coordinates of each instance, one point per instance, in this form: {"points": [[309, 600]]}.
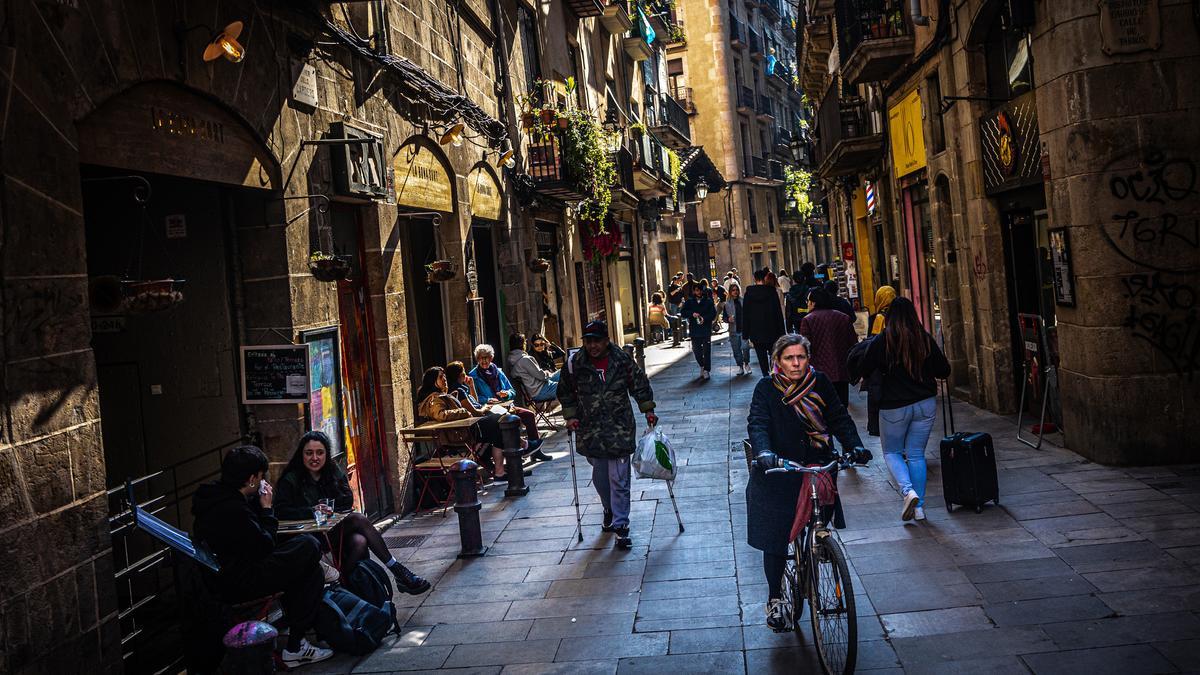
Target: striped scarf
{"points": [[801, 395]]}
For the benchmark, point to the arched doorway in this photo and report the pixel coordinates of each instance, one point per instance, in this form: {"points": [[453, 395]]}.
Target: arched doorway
{"points": [[486, 315]]}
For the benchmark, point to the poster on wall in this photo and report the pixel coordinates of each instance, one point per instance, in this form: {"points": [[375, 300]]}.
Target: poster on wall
{"points": [[1060, 261], [325, 386], [275, 374]]}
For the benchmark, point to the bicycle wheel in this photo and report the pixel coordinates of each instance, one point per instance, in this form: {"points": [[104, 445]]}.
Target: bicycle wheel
{"points": [[831, 605]]}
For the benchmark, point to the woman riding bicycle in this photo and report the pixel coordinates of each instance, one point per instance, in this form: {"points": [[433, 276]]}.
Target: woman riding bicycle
{"points": [[792, 416]]}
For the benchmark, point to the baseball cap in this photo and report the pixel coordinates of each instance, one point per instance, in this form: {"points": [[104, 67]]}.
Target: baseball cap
{"points": [[595, 329]]}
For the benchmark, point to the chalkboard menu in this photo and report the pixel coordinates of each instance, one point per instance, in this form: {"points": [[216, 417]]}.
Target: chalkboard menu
{"points": [[275, 374]]}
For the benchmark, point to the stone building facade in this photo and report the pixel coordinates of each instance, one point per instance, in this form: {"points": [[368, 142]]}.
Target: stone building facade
{"points": [[128, 158], [1036, 198]]}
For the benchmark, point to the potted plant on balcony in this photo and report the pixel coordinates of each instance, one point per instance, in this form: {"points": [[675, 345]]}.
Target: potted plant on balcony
{"points": [[675, 168], [592, 170], [328, 267], [439, 271]]}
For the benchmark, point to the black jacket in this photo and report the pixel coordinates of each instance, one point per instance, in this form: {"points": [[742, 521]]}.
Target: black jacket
{"points": [[702, 306], [237, 529], [296, 494], [846, 307], [898, 388], [763, 319]]}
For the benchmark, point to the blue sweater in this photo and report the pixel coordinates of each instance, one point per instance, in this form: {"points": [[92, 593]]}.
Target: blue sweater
{"points": [[485, 391]]}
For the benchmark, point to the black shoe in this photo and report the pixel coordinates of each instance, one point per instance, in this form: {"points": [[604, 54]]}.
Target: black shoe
{"points": [[623, 538], [540, 456], [607, 526], [777, 618], [407, 581], [532, 447]]}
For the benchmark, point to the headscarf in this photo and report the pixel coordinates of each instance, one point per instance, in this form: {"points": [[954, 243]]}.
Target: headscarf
{"points": [[801, 395], [884, 296]]}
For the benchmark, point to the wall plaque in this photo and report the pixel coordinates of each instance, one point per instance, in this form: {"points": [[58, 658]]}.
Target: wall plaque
{"points": [[421, 180], [1128, 26], [304, 89], [485, 194]]}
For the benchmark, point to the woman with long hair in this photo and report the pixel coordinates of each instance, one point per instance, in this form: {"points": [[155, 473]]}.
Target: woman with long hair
{"points": [[545, 352], [794, 414], [310, 478], [884, 296], [910, 363], [437, 404]]}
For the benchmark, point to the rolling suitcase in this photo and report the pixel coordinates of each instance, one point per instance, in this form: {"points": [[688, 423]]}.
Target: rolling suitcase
{"points": [[968, 464]]}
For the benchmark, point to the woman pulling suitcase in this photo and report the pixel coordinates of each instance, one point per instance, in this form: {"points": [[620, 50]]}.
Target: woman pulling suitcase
{"points": [[910, 363]]}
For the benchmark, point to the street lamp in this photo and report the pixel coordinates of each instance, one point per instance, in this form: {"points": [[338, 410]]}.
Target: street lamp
{"points": [[701, 189], [791, 204]]}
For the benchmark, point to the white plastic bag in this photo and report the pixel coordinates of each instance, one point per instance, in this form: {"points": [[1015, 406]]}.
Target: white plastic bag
{"points": [[654, 457]]}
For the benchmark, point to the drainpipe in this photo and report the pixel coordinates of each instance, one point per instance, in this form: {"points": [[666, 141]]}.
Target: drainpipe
{"points": [[918, 19]]}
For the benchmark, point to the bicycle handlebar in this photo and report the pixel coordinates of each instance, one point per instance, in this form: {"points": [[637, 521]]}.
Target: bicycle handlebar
{"points": [[792, 467]]}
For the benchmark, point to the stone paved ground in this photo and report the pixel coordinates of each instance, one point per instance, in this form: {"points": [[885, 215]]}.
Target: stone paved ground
{"points": [[1084, 569]]}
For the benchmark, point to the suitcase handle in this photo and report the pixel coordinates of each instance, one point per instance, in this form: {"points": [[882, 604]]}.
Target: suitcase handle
{"points": [[947, 409]]}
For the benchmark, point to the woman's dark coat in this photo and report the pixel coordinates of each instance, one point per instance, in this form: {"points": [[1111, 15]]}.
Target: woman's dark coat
{"points": [[775, 427], [762, 322], [297, 493]]}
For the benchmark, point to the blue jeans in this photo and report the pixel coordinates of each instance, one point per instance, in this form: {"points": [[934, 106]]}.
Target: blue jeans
{"points": [[741, 348], [904, 433], [549, 391], [611, 478]]}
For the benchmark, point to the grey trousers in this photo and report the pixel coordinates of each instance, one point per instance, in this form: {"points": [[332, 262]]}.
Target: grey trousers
{"points": [[611, 478]]}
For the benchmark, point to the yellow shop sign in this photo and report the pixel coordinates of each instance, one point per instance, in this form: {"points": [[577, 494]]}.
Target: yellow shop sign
{"points": [[908, 139]]}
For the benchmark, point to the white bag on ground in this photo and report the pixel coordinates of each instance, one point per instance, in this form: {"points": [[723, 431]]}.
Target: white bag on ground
{"points": [[654, 457]]}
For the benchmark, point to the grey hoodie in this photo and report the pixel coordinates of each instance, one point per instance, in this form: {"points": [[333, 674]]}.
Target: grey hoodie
{"points": [[525, 370]]}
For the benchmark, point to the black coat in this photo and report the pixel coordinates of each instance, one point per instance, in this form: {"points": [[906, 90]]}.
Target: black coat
{"points": [[762, 322], [702, 306], [237, 529], [601, 403], [774, 426], [297, 493]]}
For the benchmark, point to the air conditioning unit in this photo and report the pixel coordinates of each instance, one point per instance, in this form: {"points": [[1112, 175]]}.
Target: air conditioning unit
{"points": [[359, 170]]}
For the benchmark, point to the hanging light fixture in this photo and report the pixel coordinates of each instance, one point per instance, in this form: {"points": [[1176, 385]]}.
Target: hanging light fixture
{"points": [[506, 158], [453, 135], [701, 189], [226, 44]]}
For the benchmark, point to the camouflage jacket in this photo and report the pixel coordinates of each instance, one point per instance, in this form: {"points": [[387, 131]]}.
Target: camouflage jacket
{"points": [[606, 422]]}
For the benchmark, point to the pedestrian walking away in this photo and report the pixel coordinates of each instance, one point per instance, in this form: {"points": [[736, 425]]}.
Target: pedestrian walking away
{"points": [[794, 414], [884, 296], [596, 385], [837, 301], [832, 335], [911, 363], [700, 312], [762, 322], [733, 317]]}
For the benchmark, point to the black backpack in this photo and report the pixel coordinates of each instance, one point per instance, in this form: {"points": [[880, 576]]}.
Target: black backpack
{"points": [[355, 616]]}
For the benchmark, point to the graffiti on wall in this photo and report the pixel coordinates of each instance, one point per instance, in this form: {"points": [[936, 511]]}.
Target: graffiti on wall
{"points": [[1156, 225]]}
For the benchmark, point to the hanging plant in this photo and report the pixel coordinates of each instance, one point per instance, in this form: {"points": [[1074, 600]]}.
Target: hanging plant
{"points": [[592, 169], [143, 297], [440, 270], [328, 267], [600, 243], [638, 128], [539, 265], [676, 170]]}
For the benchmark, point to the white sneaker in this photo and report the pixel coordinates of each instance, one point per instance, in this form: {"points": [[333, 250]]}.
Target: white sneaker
{"points": [[910, 505], [305, 655], [331, 573], [919, 514]]}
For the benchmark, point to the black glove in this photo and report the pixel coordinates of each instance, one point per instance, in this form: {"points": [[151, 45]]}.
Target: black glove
{"points": [[861, 456], [767, 460]]}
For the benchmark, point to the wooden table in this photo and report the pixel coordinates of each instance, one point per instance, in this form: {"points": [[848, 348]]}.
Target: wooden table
{"points": [[310, 526]]}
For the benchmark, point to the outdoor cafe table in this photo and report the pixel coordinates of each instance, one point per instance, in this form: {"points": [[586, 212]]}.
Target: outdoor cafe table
{"points": [[309, 525]]}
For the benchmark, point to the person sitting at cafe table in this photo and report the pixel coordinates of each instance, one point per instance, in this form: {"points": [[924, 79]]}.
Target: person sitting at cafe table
{"points": [[312, 476], [437, 405], [235, 518], [546, 352], [493, 386], [540, 385], [462, 388]]}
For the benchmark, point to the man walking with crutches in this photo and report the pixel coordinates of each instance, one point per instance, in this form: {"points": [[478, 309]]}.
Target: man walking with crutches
{"points": [[594, 389]]}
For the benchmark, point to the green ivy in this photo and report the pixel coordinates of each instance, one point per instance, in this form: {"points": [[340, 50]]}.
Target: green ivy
{"points": [[592, 169], [796, 184], [676, 169]]}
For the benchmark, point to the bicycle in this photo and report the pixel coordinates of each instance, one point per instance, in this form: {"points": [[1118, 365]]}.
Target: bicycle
{"points": [[817, 573]]}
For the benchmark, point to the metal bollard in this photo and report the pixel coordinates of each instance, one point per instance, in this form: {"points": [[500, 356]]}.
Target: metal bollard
{"points": [[510, 431], [464, 472], [639, 350]]}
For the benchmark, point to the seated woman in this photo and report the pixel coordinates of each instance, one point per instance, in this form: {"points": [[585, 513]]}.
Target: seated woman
{"points": [[493, 386], [438, 405], [311, 476], [545, 352], [659, 316], [794, 414]]}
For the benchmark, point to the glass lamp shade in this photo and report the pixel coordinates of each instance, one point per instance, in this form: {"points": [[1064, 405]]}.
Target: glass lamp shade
{"points": [[225, 44]]}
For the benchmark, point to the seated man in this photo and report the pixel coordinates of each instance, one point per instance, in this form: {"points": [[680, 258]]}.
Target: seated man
{"points": [[493, 386], [233, 516], [541, 385]]}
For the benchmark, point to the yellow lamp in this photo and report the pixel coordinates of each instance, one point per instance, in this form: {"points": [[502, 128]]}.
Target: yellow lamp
{"points": [[226, 44], [453, 135]]}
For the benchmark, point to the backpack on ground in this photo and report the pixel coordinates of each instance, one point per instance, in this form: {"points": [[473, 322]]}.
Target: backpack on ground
{"points": [[372, 582], [350, 624]]}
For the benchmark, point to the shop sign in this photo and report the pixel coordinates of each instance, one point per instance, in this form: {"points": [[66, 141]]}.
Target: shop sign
{"points": [[485, 194], [108, 324], [357, 167], [421, 180], [848, 250], [1128, 26], [176, 226], [1010, 141], [756, 248], [275, 374], [1060, 260], [851, 281], [714, 224], [772, 246], [908, 139]]}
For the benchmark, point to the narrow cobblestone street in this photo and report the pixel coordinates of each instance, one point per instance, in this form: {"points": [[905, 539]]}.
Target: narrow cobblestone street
{"points": [[1084, 569]]}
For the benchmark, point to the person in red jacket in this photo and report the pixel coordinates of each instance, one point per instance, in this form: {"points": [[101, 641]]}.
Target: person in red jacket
{"points": [[832, 336]]}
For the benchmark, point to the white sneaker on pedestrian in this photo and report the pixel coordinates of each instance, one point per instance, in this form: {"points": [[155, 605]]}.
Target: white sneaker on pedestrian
{"points": [[919, 514], [305, 655], [910, 505]]}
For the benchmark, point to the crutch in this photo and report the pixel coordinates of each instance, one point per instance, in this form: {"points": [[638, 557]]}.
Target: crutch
{"points": [[671, 491], [575, 487]]}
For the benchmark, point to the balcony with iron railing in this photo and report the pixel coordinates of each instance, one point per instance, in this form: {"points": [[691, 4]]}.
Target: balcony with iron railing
{"points": [[874, 38], [624, 189], [776, 169], [585, 8], [651, 175], [670, 123], [550, 171], [756, 48], [736, 36], [745, 100], [759, 167], [766, 109], [683, 95], [771, 9], [847, 139]]}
